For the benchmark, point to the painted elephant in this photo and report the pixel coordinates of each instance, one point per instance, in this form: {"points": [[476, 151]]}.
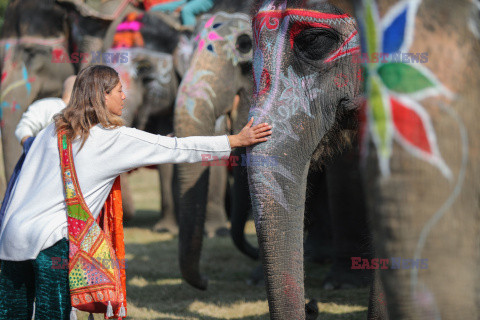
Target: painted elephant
{"points": [[147, 41], [306, 86], [220, 70], [423, 160]]}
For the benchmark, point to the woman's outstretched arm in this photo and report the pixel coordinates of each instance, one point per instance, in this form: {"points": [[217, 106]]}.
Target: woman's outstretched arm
{"points": [[250, 135]]}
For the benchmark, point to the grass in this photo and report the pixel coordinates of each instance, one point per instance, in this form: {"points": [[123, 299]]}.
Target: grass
{"points": [[155, 289]]}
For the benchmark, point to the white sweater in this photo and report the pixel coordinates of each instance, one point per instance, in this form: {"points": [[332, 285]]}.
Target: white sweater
{"points": [[38, 115], [36, 215]]}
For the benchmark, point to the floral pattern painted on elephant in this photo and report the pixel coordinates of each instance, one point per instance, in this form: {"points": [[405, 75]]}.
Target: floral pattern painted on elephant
{"points": [[195, 87], [208, 35], [394, 113], [395, 89]]}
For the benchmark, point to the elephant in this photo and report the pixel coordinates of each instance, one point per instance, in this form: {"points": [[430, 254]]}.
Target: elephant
{"points": [[307, 86], [220, 70], [422, 171]]}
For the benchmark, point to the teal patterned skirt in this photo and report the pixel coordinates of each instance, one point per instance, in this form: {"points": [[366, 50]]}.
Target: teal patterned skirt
{"points": [[43, 280]]}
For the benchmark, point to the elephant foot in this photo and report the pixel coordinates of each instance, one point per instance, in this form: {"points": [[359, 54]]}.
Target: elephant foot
{"points": [[166, 226], [256, 277], [341, 276], [311, 310]]}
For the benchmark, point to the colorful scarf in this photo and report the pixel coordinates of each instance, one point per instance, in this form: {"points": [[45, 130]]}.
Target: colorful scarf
{"points": [[97, 280]]}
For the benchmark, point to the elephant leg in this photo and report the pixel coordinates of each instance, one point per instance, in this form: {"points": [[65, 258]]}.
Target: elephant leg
{"points": [[350, 231], [318, 225], [168, 221], [127, 198], [216, 218]]}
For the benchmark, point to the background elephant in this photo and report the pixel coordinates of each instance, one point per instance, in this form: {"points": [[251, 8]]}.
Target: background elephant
{"points": [[158, 51], [423, 169], [27, 71], [34, 34], [219, 71], [298, 55], [37, 57]]}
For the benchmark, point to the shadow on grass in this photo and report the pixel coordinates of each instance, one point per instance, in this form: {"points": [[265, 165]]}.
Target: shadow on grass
{"points": [[143, 219]]}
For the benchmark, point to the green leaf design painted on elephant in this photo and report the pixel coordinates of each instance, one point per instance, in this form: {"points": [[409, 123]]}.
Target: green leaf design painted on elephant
{"points": [[405, 79], [371, 23], [380, 117]]}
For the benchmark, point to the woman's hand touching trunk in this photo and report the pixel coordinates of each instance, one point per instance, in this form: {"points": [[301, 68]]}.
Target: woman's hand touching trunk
{"points": [[250, 135]]}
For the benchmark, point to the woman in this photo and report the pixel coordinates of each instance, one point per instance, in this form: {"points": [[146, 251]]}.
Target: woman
{"points": [[34, 229]]}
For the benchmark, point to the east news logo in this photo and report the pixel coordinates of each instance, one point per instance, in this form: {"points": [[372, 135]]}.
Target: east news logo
{"points": [[60, 56]]}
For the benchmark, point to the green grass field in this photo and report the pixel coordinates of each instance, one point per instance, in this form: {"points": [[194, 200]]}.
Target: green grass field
{"points": [[155, 289]]}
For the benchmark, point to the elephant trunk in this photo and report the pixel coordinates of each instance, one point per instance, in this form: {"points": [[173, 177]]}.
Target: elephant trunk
{"points": [[192, 188], [193, 185], [278, 202]]}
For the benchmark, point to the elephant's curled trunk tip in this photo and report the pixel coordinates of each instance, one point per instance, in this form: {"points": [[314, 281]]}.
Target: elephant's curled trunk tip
{"points": [[199, 282]]}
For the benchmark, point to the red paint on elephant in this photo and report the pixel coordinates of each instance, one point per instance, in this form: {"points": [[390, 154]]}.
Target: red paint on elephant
{"points": [[292, 289], [410, 126], [266, 80], [300, 26]]}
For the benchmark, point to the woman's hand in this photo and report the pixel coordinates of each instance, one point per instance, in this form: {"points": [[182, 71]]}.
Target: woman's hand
{"points": [[250, 135]]}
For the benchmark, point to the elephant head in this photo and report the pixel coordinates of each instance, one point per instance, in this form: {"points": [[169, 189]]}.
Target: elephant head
{"points": [[34, 35], [305, 86], [220, 69], [147, 43], [27, 72]]}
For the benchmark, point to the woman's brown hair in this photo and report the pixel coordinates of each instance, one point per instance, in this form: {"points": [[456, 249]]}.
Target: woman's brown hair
{"points": [[87, 105]]}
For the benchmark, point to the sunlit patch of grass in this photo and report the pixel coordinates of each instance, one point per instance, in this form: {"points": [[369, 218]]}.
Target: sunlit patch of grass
{"points": [[250, 228], [335, 308], [236, 310], [142, 282], [142, 236]]}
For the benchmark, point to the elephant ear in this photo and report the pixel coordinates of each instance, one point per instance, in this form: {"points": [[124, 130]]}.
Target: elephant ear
{"points": [[100, 9]]}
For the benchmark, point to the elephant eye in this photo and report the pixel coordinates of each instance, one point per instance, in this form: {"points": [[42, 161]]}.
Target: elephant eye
{"points": [[244, 43], [315, 43], [144, 67]]}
